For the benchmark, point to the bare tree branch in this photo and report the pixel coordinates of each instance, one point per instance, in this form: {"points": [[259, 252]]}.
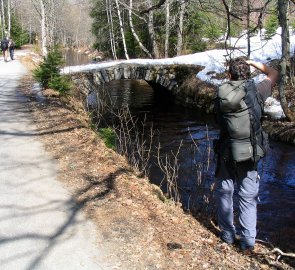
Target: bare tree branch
{"points": [[162, 2]]}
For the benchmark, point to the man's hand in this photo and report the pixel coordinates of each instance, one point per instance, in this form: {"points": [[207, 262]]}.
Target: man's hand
{"points": [[271, 73]]}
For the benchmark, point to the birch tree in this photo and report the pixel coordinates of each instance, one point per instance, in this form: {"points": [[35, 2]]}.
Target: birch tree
{"points": [[151, 30], [3, 18], [167, 28], [24, 12], [180, 27], [134, 32], [248, 29], [41, 7], [78, 26], [47, 15], [111, 28], [41, 11], [283, 6], [9, 17], [69, 14], [1, 25], [249, 14], [258, 9], [50, 20], [122, 30]]}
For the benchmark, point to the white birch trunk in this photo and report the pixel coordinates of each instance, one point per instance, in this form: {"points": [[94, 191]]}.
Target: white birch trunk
{"points": [[248, 29], [78, 28], [51, 23], [134, 33], [9, 17], [30, 35], [283, 17], [43, 29], [152, 32], [3, 18], [167, 28], [2, 31], [50, 18], [227, 26], [180, 29], [122, 30], [111, 27]]}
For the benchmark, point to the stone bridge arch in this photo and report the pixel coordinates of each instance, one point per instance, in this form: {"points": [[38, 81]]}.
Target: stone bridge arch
{"points": [[180, 80], [170, 77]]}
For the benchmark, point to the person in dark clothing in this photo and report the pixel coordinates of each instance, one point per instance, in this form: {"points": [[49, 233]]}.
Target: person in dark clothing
{"points": [[11, 46], [244, 174], [4, 48]]}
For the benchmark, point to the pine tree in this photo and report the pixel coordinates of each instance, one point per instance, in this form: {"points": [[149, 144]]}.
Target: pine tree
{"points": [[48, 72], [271, 24], [18, 35]]}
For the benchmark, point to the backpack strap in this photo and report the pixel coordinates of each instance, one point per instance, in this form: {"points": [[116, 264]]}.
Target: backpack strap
{"points": [[255, 106]]}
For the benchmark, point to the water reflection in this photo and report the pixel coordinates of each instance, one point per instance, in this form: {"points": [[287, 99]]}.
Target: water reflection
{"points": [[135, 94], [73, 58], [175, 125], [277, 195]]}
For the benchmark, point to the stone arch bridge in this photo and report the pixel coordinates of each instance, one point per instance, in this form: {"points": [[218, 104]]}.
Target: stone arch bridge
{"points": [[180, 79], [171, 77]]}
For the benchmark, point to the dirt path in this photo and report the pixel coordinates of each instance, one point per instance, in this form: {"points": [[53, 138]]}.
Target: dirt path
{"points": [[41, 227], [137, 226]]}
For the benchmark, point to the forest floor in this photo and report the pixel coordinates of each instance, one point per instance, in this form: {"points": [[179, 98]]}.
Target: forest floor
{"points": [[148, 230]]}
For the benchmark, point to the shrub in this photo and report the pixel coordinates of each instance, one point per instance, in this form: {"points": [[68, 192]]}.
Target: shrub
{"points": [[60, 83], [108, 136], [48, 72]]}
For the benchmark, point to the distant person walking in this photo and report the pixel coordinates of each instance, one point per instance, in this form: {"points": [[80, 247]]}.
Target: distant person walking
{"points": [[11, 46], [4, 48]]}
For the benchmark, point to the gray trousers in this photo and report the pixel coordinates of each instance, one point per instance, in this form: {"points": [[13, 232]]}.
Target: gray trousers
{"points": [[247, 181]]}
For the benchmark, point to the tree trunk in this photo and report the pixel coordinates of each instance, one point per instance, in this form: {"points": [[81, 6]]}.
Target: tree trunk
{"points": [[111, 28], [248, 29], [9, 17], [283, 19], [3, 19], [228, 30], [134, 33], [2, 31], [30, 30], [122, 30], [152, 33], [167, 28], [43, 29], [78, 28], [180, 28], [51, 23]]}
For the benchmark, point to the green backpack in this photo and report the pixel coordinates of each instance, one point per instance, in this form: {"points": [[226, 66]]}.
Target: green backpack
{"points": [[239, 108]]}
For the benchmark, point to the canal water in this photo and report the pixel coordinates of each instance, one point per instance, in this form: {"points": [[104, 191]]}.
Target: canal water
{"points": [[73, 58], [186, 135], [193, 130]]}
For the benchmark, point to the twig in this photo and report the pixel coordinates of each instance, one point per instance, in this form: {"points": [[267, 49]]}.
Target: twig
{"points": [[193, 139], [239, 266], [277, 250]]}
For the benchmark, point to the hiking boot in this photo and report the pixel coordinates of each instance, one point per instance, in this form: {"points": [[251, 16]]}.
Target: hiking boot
{"points": [[248, 251], [234, 241]]}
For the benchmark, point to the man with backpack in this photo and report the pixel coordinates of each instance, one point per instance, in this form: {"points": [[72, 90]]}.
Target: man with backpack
{"points": [[241, 143], [11, 46], [4, 48]]}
